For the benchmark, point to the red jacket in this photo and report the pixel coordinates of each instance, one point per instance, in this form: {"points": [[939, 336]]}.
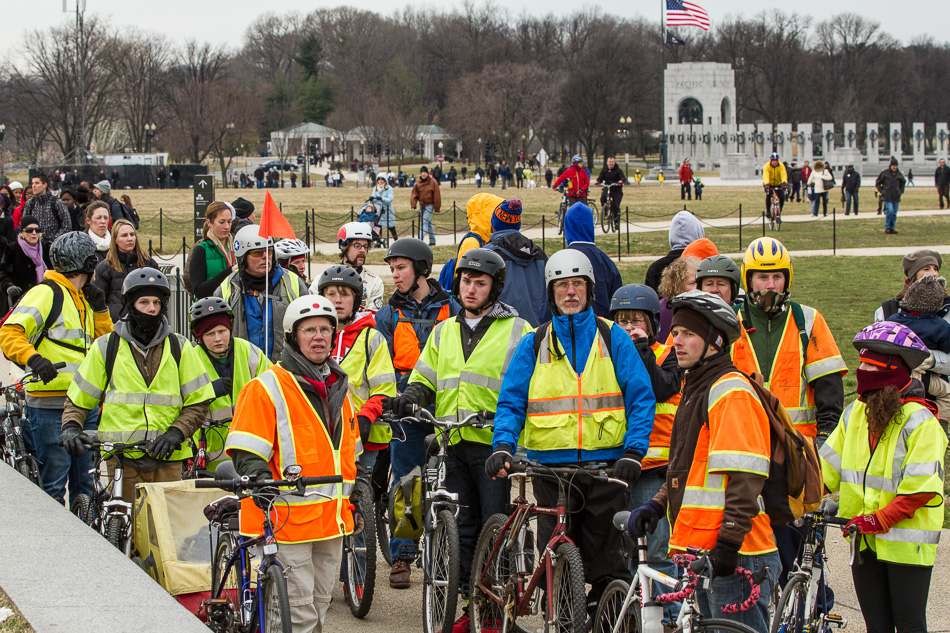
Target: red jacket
{"points": [[686, 174], [579, 182]]}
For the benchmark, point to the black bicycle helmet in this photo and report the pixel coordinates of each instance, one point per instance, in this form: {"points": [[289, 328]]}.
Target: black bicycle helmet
{"points": [[340, 275], [638, 297], [721, 317], [416, 250], [206, 307], [147, 277], [720, 266], [484, 261], [73, 253]]}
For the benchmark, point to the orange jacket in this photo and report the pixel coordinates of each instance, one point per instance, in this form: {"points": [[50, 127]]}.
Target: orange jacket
{"points": [[406, 348], [659, 452], [274, 420]]}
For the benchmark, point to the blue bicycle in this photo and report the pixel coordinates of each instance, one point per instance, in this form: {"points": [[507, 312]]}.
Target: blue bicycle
{"points": [[241, 602]]}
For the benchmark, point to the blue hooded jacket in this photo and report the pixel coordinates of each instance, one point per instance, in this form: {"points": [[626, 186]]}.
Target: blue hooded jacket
{"points": [[524, 277], [579, 233], [575, 334]]}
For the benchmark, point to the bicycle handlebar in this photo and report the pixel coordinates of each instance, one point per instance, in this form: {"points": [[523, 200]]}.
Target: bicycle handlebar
{"points": [[30, 377], [479, 419], [698, 568], [246, 483], [597, 470]]}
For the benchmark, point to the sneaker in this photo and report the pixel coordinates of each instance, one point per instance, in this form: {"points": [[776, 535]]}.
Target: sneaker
{"points": [[462, 624], [399, 575]]}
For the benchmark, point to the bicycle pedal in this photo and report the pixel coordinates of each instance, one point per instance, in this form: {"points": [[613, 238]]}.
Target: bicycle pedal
{"points": [[836, 621]]}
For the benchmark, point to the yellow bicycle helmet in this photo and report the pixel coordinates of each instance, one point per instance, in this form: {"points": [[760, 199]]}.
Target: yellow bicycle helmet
{"points": [[768, 254]]}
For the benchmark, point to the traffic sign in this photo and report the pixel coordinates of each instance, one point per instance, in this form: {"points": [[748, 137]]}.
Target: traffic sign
{"points": [[440, 158], [204, 195]]}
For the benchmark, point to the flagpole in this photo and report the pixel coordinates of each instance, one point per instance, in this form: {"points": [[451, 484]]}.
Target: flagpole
{"points": [[662, 84], [266, 298]]}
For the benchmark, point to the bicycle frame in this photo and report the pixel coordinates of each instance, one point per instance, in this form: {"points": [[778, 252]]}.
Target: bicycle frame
{"points": [[642, 585], [114, 506]]}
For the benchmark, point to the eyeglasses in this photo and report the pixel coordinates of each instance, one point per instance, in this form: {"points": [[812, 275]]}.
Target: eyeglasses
{"points": [[309, 332], [577, 284], [33, 229], [359, 247], [633, 322]]}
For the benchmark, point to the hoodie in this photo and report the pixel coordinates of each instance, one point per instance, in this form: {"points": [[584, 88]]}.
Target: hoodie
{"points": [[480, 208], [524, 282], [685, 228], [579, 233], [575, 335]]}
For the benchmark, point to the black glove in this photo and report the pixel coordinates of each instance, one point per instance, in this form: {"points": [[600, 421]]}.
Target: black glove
{"points": [[365, 426], [628, 467], [95, 297], [166, 444], [75, 441], [222, 387], [400, 405], [263, 497], [42, 367], [724, 557], [644, 519], [14, 291], [499, 460]]}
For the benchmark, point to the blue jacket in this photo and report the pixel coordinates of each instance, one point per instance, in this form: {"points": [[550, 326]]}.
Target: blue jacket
{"points": [[524, 279], [932, 329], [575, 334], [579, 233], [387, 216]]}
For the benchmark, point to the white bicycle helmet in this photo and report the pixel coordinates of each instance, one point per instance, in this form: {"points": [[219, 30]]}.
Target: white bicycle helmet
{"points": [[305, 307], [564, 264], [290, 248], [353, 231], [247, 239]]}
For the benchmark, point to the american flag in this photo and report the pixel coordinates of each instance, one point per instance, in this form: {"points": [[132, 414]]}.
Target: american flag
{"points": [[683, 13]]}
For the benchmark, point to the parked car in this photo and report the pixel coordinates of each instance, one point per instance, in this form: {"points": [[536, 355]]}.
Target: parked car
{"points": [[275, 164]]}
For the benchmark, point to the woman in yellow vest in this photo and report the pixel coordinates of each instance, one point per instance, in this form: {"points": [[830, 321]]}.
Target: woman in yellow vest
{"points": [[886, 459], [149, 381], [230, 362]]}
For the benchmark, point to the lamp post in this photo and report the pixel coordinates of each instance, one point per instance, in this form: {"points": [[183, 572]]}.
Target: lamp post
{"points": [[2, 130], [332, 141], [524, 148], [149, 134], [422, 146], [624, 133], [478, 151]]}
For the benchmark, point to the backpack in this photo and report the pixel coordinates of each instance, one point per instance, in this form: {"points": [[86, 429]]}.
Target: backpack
{"points": [[56, 310], [112, 350], [794, 485], [128, 213], [403, 523], [602, 326], [447, 275]]}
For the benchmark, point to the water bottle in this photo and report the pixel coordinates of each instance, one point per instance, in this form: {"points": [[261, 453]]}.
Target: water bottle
{"points": [[652, 615]]}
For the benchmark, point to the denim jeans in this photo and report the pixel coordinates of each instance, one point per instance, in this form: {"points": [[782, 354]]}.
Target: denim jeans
{"points": [[735, 588], [480, 496], [426, 225], [658, 543], [848, 197], [366, 460], [406, 456], [821, 199], [890, 214], [44, 433]]}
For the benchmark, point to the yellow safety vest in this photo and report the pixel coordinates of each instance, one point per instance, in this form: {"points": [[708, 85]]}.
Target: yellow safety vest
{"points": [[375, 377]]}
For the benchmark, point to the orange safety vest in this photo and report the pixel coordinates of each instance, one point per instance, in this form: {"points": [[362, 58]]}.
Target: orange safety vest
{"points": [[274, 420], [658, 454], [405, 342], [792, 371], [737, 438]]}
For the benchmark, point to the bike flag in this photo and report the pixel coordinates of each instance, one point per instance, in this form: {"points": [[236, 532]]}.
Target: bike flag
{"points": [[273, 222], [684, 13]]}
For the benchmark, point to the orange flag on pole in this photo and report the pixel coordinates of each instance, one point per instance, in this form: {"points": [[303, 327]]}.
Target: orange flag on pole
{"points": [[273, 222]]}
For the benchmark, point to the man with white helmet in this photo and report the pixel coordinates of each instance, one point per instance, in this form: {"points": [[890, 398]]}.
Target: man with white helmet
{"points": [[579, 391], [291, 255], [258, 275], [355, 239], [304, 402]]}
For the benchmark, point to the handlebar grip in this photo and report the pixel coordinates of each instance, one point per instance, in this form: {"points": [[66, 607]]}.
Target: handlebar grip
{"points": [[836, 521], [207, 483], [621, 519], [59, 365]]}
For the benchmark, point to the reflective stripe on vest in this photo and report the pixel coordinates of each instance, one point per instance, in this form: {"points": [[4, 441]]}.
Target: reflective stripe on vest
{"points": [[658, 453], [570, 411], [370, 374], [406, 345]]}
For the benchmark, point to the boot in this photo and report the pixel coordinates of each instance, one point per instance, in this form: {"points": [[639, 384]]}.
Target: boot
{"points": [[399, 575]]}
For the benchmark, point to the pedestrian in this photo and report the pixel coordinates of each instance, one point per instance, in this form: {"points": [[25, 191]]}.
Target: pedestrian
{"points": [[84, 317], [427, 195], [125, 255], [259, 176], [678, 277], [103, 191], [548, 177], [942, 182], [910, 177], [464, 172], [806, 175], [611, 174], [850, 184], [437, 174], [478, 177], [890, 182], [453, 177], [161, 177], [383, 196], [795, 180], [698, 189], [115, 178], [50, 211], [76, 213], [97, 228], [685, 228], [293, 180], [579, 234], [492, 175], [504, 172], [176, 177], [886, 459], [212, 259], [519, 174], [686, 178], [242, 214], [719, 275], [24, 262], [821, 181]]}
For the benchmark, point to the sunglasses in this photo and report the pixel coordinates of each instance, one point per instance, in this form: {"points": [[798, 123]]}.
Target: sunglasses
{"points": [[33, 229]]}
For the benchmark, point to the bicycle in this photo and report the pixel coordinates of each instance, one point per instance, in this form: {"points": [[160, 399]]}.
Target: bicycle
{"points": [[566, 203], [241, 601], [359, 554], [797, 608], [609, 220], [440, 536], [508, 584], [381, 480], [622, 608], [775, 210], [196, 467], [14, 449]]}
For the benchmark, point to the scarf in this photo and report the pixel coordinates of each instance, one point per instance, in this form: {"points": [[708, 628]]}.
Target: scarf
{"points": [[296, 363], [870, 380], [35, 253], [102, 243], [227, 248]]}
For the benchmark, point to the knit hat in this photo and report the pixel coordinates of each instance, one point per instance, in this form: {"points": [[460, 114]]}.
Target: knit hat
{"points": [[701, 248], [918, 259], [507, 216], [27, 220], [423, 170], [927, 294], [104, 186], [893, 161], [243, 208], [208, 323]]}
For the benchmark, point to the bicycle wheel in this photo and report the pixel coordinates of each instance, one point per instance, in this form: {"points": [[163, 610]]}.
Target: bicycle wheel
{"points": [[359, 555], [83, 508], [570, 596], [790, 616], [381, 477], [32, 470], [492, 573], [711, 625], [609, 610], [561, 211], [605, 219], [441, 581], [226, 587], [115, 532], [778, 222], [276, 602]]}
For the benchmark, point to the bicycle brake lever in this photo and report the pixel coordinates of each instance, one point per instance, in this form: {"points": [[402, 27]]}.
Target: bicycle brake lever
{"points": [[760, 575]]}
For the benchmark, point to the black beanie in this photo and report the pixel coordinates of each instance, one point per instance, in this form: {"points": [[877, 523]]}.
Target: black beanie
{"points": [[243, 208]]}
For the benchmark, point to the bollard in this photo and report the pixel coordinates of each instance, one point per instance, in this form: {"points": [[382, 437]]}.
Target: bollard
{"points": [[740, 228], [834, 232], [618, 244], [627, 209], [542, 232], [413, 228], [454, 225]]}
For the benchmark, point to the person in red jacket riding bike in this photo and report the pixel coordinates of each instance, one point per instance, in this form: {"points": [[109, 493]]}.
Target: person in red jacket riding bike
{"points": [[577, 179]]}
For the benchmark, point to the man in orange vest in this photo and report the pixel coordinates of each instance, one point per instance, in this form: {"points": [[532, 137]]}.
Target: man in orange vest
{"points": [[299, 413], [719, 461], [418, 304]]}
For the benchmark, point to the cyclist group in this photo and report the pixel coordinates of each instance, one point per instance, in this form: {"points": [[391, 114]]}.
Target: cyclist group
{"points": [[679, 421]]}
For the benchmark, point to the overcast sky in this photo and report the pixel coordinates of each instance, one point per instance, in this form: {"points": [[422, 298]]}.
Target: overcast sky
{"points": [[224, 21]]}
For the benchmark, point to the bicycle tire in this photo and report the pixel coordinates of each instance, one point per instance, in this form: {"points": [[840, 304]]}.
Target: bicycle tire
{"points": [[276, 602], [561, 212], [570, 595], [381, 480], [484, 612], [789, 613], [33, 470], [712, 625], [115, 532], [227, 587], [359, 585], [605, 223], [83, 507], [440, 589], [608, 610]]}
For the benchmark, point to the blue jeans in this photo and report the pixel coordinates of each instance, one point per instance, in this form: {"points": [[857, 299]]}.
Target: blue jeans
{"points": [[427, 223], [480, 496], [658, 543], [735, 588], [890, 214], [848, 197], [406, 456], [44, 433], [366, 460], [821, 200]]}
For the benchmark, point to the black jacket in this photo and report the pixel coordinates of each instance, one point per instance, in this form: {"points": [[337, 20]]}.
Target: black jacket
{"points": [[109, 281], [942, 176], [851, 181], [612, 176], [891, 185], [16, 269], [655, 271]]}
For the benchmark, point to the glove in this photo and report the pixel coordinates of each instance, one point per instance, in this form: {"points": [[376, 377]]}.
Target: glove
{"points": [[364, 425], [767, 188], [628, 467], [724, 557], [499, 460], [42, 367], [95, 297], [263, 497], [644, 519], [867, 524], [14, 291], [75, 441], [222, 387], [165, 444], [400, 405]]}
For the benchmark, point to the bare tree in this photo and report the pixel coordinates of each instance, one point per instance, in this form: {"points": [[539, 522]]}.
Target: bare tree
{"points": [[138, 64]]}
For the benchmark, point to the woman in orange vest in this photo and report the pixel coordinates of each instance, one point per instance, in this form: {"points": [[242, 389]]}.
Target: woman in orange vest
{"points": [[299, 413]]}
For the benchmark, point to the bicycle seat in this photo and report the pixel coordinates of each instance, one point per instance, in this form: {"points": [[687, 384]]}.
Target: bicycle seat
{"points": [[225, 471], [432, 445]]}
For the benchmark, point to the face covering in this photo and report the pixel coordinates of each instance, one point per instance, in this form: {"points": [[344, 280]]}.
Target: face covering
{"points": [[870, 380], [145, 325], [768, 301]]}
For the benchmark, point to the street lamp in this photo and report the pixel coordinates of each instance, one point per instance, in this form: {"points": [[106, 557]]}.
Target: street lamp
{"points": [[524, 148], [478, 151], [149, 134], [2, 130], [624, 133]]}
